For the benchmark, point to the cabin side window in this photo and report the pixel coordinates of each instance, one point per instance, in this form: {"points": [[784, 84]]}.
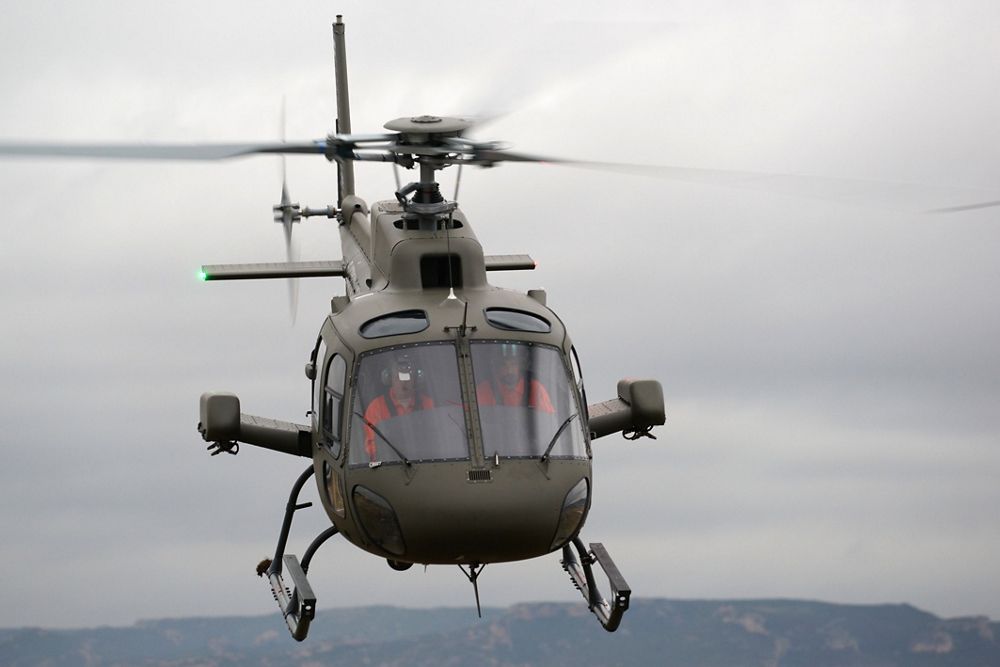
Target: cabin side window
{"points": [[333, 394], [334, 492]]}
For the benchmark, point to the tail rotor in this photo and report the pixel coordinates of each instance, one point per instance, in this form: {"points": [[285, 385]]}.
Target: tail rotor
{"points": [[288, 213]]}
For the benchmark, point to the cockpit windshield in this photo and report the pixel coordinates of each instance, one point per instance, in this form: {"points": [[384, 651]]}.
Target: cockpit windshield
{"points": [[527, 406], [408, 406]]}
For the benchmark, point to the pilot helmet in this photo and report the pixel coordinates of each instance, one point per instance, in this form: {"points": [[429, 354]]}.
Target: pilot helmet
{"points": [[402, 368]]}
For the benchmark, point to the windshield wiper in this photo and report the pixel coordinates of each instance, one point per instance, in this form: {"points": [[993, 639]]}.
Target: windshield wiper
{"points": [[384, 439], [562, 427]]}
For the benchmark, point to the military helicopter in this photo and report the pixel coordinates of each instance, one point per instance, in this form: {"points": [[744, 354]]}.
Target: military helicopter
{"points": [[449, 420]]}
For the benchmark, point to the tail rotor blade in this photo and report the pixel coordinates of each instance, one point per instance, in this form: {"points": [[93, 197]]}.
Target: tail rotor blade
{"points": [[292, 254], [287, 220]]}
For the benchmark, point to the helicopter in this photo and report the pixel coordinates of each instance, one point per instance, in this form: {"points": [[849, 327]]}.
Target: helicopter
{"points": [[449, 422]]}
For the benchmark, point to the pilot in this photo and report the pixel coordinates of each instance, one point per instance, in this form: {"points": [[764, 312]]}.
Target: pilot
{"points": [[401, 398], [512, 384]]}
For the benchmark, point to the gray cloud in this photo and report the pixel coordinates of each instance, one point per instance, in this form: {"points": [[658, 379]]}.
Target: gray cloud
{"points": [[831, 369]]}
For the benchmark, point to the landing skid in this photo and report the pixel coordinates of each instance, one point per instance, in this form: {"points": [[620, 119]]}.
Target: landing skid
{"points": [[297, 604], [578, 566]]}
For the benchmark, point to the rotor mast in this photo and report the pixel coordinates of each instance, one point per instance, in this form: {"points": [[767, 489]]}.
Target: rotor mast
{"points": [[345, 167]]}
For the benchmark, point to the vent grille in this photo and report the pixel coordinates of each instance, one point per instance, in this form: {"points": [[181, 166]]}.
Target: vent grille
{"points": [[480, 476]]}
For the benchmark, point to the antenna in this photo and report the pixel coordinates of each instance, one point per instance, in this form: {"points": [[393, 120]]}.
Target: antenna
{"points": [[451, 278]]}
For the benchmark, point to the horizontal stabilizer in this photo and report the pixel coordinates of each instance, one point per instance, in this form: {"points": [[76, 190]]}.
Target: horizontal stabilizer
{"points": [[509, 263], [273, 270]]}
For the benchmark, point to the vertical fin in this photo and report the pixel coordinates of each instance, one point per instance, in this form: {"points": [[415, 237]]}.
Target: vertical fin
{"points": [[345, 168]]}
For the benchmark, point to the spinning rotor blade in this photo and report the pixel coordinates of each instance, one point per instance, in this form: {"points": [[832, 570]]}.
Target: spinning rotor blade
{"points": [[160, 151], [288, 218], [402, 149], [964, 207], [880, 194], [291, 253]]}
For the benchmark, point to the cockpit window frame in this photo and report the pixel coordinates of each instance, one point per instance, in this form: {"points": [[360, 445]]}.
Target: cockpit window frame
{"points": [[318, 361]]}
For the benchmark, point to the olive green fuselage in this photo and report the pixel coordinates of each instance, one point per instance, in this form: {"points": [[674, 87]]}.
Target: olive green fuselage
{"points": [[470, 487]]}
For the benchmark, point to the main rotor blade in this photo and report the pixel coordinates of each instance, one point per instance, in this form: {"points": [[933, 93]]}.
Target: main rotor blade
{"points": [[904, 197], [159, 151], [964, 207]]}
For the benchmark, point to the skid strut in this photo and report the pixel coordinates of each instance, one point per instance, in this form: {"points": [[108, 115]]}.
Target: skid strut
{"points": [[298, 604], [608, 612]]}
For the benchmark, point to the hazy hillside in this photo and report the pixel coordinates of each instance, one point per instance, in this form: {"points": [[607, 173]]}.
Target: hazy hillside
{"points": [[655, 632]]}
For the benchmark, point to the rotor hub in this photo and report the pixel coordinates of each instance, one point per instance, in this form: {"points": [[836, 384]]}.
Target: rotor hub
{"points": [[417, 129]]}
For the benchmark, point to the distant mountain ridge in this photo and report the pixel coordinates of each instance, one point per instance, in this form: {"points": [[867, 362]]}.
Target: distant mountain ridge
{"points": [[692, 633]]}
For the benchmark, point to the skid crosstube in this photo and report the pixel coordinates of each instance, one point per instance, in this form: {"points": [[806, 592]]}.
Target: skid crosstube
{"points": [[608, 612]]}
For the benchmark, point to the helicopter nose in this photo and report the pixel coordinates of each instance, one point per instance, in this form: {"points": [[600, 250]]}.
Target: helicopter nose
{"points": [[502, 513]]}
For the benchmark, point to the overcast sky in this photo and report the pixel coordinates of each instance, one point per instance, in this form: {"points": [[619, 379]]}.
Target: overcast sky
{"points": [[831, 369]]}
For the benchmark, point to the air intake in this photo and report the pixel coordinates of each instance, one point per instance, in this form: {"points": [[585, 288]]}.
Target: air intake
{"points": [[480, 476]]}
